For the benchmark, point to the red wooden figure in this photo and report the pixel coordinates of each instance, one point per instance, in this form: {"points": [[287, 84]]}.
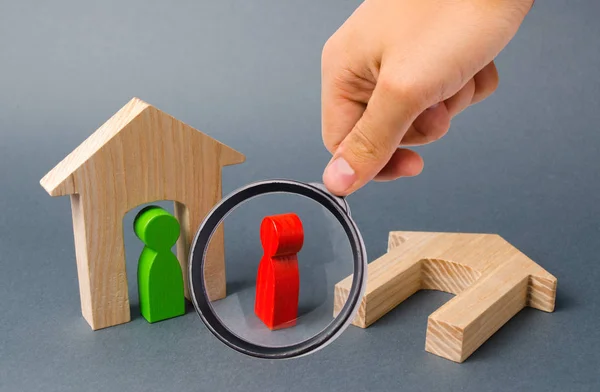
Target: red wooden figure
{"points": [[278, 279]]}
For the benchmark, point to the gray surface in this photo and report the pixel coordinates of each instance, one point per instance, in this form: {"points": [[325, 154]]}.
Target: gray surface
{"points": [[523, 164]]}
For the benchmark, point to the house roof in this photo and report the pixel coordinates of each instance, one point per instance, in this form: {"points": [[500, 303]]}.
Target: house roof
{"points": [[56, 181]]}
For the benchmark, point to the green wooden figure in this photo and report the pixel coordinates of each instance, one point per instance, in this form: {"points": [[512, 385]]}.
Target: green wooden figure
{"points": [[160, 281]]}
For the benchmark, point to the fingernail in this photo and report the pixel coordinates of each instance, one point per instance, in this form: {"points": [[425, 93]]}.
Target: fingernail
{"points": [[339, 176], [435, 105]]}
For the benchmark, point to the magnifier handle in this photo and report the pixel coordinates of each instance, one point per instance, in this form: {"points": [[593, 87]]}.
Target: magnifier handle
{"points": [[341, 201]]}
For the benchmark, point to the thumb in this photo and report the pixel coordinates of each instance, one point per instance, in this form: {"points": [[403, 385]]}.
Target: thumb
{"points": [[373, 140]]}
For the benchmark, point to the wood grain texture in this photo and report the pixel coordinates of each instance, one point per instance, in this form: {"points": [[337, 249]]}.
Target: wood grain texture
{"points": [[492, 281], [140, 155]]}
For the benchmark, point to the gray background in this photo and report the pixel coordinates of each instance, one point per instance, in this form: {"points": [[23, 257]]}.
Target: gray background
{"points": [[524, 164]]}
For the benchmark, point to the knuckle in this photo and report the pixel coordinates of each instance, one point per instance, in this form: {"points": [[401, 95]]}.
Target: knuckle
{"points": [[486, 82], [328, 47], [494, 82], [435, 134], [408, 91], [489, 85], [431, 134], [440, 129], [363, 146], [329, 53], [392, 86]]}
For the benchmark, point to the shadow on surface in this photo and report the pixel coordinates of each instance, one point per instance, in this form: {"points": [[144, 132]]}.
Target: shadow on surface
{"points": [[239, 286], [502, 341], [564, 301], [417, 307], [409, 321], [135, 311]]}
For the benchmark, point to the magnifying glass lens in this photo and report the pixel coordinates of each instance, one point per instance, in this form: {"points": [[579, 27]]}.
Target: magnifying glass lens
{"points": [[284, 254]]}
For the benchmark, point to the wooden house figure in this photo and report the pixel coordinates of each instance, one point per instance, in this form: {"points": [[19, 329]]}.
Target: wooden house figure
{"points": [[140, 155]]}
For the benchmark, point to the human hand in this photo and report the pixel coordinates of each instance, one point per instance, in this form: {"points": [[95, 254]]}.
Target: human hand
{"points": [[397, 71]]}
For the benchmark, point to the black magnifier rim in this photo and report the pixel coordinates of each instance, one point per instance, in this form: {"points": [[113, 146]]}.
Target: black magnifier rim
{"points": [[200, 246]]}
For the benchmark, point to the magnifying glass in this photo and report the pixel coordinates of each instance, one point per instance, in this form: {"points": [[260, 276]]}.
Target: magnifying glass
{"points": [[287, 244]]}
